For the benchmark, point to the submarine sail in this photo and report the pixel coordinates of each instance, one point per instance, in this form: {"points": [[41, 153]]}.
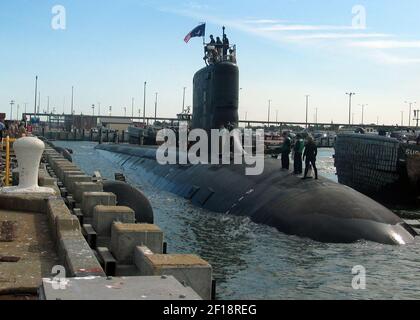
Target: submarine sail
{"points": [[216, 96]]}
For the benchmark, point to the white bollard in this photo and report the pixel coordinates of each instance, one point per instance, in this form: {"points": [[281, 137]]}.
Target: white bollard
{"points": [[28, 152]]}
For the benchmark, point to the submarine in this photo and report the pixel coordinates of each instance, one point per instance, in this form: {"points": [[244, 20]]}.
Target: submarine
{"points": [[321, 210]]}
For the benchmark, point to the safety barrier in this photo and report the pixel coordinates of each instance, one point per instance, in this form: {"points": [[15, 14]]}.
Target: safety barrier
{"points": [[6, 145]]}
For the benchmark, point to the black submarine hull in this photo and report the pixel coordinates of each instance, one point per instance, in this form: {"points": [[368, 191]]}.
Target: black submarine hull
{"points": [[320, 210]]}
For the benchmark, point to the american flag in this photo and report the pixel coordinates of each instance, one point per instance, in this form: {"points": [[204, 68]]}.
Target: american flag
{"points": [[199, 31]]}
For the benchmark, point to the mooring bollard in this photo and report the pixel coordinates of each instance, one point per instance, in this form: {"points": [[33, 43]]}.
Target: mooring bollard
{"points": [[28, 152]]}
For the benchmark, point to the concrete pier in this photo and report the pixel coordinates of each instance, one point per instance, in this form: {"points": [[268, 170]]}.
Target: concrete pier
{"points": [[72, 179], [107, 241], [188, 269], [83, 187], [63, 173], [43, 233], [92, 199], [126, 237], [104, 216], [119, 288]]}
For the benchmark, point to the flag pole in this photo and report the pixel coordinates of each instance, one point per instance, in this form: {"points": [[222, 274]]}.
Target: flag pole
{"points": [[204, 34]]}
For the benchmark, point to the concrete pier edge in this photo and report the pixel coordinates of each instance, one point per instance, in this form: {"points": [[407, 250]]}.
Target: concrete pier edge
{"points": [[100, 210]]}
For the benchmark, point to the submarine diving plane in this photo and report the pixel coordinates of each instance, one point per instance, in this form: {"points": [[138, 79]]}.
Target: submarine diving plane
{"points": [[321, 210]]}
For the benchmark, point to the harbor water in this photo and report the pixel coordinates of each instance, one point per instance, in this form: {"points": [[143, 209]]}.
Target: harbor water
{"points": [[253, 261]]}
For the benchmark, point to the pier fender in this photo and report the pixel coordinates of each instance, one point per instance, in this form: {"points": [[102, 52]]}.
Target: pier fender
{"points": [[131, 197], [64, 152]]}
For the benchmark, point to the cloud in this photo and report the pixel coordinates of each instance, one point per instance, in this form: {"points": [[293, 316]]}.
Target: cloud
{"points": [[303, 27], [264, 21], [393, 44], [193, 5], [386, 58], [326, 36]]}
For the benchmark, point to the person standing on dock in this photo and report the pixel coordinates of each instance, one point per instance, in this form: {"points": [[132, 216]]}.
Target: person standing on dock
{"points": [[285, 153], [298, 153], [310, 154], [2, 128]]}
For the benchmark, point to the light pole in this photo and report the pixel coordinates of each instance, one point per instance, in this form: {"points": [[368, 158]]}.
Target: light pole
{"points": [[363, 112], [277, 116], [410, 104], [125, 112], [402, 118], [144, 101], [48, 104], [93, 109], [156, 105], [72, 100], [417, 117], [110, 111], [36, 93], [132, 107], [350, 94], [39, 102], [99, 109], [17, 112], [12, 103], [307, 109], [183, 100]]}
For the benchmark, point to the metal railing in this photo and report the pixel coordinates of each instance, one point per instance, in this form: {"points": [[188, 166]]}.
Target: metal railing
{"points": [[5, 144], [215, 53]]}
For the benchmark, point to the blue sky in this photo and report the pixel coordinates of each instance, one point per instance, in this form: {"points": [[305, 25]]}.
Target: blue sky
{"points": [[286, 49]]}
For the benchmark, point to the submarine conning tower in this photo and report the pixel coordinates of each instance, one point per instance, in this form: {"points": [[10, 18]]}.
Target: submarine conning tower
{"points": [[216, 90]]}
